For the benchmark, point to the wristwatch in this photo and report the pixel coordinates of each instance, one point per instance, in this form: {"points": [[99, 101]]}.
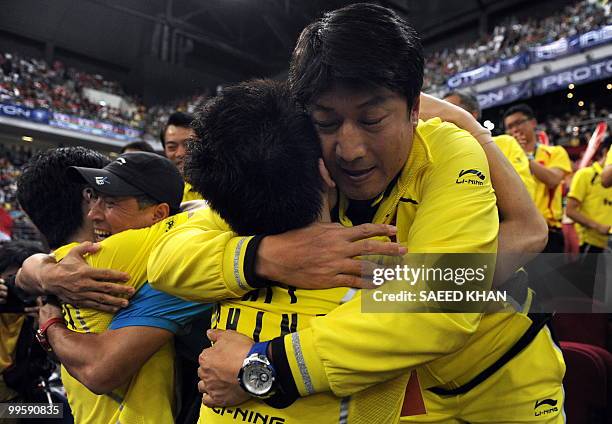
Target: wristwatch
{"points": [[257, 376], [41, 333]]}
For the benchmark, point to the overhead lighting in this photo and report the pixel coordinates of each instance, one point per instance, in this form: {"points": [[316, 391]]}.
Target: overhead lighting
{"points": [[570, 95], [27, 138], [489, 125], [580, 103], [609, 86], [571, 86]]}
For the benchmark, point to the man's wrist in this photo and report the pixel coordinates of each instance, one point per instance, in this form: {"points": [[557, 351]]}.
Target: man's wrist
{"points": [[264, 268]]}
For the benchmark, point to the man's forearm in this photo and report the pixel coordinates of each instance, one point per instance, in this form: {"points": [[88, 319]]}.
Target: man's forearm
{"points": [[104, 361], [522, 231], [29, 277], [577, 216], [77, 352], [550, 177]]}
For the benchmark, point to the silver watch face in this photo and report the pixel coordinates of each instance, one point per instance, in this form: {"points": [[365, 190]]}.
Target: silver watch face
{"points": [[257, 378]]}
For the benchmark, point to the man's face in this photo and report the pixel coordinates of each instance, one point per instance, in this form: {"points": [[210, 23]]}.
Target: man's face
{"points": [[366, 136], [176, 139], [111, 215], [519, 126]]}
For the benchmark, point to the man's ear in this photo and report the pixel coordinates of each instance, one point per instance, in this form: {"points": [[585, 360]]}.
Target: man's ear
{"points": [[414, 112], [161, 211], [325, 175]]}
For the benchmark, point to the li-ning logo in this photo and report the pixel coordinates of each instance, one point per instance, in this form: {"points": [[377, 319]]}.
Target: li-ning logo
{"points": [[607, 202], [470, 176], [550, 402], [102, 180], [121, 161]]}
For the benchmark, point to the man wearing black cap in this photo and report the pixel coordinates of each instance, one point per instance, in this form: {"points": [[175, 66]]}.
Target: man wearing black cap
{"points": [[135, 191], [111, 361]]}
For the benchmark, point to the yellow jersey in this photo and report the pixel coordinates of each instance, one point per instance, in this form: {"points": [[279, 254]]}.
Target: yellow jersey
{"points": [[189, 194], [595, 202], [549, 202], [443, 201], [149, 396], [513, 151], [608, 158]]}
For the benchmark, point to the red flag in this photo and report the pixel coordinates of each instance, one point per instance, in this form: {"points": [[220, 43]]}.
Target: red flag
{"points": [[594, 143]]}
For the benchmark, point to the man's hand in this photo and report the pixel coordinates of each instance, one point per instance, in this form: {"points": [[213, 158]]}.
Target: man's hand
{"points": [[48, 311], [219, 367], [74, 281], [322, 256], [604, 230], [3, 292]]}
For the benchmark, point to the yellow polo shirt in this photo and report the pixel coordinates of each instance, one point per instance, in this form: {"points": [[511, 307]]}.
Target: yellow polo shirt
{"points": [[595, 202], [549, 202]]}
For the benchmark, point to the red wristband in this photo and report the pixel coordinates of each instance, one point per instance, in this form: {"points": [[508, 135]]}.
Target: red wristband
{"points": [[41, 334], [43, 328]]}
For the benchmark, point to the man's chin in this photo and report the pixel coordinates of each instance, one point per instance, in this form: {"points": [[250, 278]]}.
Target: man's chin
{"points": [[359, 192]]}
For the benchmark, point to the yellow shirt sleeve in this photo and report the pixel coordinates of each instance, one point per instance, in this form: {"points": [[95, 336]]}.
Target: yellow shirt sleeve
{"points": [[201, 261], [579, 186], [341, 351], [560, 159]]}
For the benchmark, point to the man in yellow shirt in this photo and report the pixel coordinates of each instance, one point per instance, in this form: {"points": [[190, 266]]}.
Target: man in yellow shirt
{"points": [[589, 204], [507, 144], [549, 166], [111, 361], [174, 136], [358, 71]]}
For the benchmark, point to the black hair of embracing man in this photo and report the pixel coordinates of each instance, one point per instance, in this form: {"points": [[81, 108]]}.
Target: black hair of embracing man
{"points": [[255, 159], [51, 199], [326, 54]]}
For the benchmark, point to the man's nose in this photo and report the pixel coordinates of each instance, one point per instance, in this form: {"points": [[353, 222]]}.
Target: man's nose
{"points": [[350, 144]]}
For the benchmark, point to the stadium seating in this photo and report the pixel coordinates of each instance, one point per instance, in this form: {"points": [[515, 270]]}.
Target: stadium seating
{"points": [[587, 383]]}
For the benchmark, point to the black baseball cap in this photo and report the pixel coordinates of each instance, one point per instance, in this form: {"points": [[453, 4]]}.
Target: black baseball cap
{"points": [[134, 174]]}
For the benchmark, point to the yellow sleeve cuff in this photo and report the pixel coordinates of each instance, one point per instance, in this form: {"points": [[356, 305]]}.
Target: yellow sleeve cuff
{"points": [[233, 265], [306, 365]]}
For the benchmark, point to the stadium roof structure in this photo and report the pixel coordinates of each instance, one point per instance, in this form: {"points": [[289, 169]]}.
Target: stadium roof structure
{"points": [[231, 39]]}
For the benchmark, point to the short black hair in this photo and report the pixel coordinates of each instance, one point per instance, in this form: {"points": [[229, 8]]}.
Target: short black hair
{"points": [[360, 46], [142, 146], [51, 199], [178, 119], [255, 159], [520, 108], [468, 101], [14, 252]]}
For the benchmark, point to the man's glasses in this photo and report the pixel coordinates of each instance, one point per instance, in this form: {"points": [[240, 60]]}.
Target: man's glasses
{"points": [[516, 124]]}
